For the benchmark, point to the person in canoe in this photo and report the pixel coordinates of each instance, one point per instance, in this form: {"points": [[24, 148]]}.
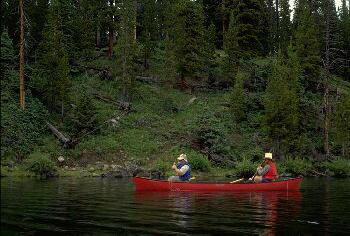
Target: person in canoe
{"points": [[182, 169], [268, 173]]}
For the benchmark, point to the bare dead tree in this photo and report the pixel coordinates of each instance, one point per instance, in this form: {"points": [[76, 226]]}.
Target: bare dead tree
{"points": [[21, 56]]}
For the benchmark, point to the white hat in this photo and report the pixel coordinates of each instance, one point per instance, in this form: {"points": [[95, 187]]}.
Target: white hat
{"points": [[268, 155], [182, 157]]}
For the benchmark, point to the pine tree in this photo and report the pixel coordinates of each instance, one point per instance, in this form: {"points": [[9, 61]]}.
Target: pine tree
{"points": [[308, 47], [188, 39], [342, 124], [250, 17], [238, 98], [126, 47], [285, 26], [272, 27], [282, 103], [232, 49], [53, 64], [344, 27]]}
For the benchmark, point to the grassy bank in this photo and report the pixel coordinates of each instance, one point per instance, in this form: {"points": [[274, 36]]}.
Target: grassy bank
{"points": [[163, 123]]}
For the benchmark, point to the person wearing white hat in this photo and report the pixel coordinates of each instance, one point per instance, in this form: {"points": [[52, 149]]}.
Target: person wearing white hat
{"points": [[268, 173], [182, 170]]}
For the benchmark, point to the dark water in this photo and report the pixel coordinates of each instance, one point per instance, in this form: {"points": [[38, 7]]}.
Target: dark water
{"points": [[94, 206]]}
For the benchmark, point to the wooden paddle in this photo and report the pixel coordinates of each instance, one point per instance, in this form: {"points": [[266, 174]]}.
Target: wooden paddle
{"points": [[252, 178], [235, 181]]}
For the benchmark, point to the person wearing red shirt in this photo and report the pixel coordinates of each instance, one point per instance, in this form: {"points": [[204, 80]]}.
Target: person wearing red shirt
{"points": [[268, 173]]}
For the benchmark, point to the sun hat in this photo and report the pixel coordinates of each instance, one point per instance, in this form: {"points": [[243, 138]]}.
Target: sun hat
{"points": [[182, 157], [268, 155]]}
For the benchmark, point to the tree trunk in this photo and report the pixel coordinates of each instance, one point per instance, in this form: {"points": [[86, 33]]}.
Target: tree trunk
{"points": [[98, 36], [135, 19], [21, 56], [326, 121], [277, 40], [58, 134], [110, 43]]}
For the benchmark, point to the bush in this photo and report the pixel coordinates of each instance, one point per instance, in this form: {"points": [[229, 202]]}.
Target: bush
{"points": [[340, 167], [198, 161], [40, 164], [297, 166], [82, 118], [209, 133], [245, 168], [21, 129]]}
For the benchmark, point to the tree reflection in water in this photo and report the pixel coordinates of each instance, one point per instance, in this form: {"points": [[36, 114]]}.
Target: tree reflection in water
{"points": [[208, 212]]}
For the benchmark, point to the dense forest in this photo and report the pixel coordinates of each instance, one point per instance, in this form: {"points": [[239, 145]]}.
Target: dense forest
{"points": [[141, 81]]}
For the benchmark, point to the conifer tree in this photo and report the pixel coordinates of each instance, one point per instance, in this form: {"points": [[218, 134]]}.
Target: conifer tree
{"points": [[308, 47], [232, 48], [344, 27], [126, 47], [53, 64], [285, 26], [249, 15], [282, 103], [272, 29], [342, 124], [238, 98], [188, 39]]}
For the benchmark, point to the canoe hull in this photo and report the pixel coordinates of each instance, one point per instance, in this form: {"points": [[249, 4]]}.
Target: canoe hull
{"points": [[145, 184]]}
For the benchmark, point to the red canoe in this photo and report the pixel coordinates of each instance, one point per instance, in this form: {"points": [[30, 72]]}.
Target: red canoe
{"points": [[146, 184]]}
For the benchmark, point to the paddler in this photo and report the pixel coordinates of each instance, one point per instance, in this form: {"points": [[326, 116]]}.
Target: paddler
{"points": [[268, 173], [182, 170]]}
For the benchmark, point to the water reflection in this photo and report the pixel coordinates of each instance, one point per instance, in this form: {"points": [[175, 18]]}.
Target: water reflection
{"points": [[266, 209]]}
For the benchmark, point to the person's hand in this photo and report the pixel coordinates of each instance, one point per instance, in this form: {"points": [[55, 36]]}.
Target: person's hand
{"points": [[259, 168], [174, 166]]}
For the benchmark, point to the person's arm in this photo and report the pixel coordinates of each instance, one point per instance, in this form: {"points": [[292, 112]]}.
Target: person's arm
{"points": [[182, 171], [264, 171]]}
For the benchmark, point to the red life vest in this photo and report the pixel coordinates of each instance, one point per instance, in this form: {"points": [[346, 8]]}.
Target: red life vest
{"points": [[272, 174]]}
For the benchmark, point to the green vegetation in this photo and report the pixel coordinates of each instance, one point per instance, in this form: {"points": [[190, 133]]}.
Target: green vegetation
{"points": [[140, 84], [40, 164]]}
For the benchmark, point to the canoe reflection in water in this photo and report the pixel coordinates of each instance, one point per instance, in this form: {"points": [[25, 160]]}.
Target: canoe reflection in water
{"points": [[215, 212]]}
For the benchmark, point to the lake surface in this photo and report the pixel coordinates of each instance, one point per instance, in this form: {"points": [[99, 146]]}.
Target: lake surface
{"points": [[94, 206]]}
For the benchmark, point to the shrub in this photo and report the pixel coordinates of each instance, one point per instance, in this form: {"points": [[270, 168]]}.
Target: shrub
{"points": [[39, 164], [198, 161], [297, 166], [82, 117], [209, 133], [21, 129], [340, 167], [162, 165], [245, 168]]}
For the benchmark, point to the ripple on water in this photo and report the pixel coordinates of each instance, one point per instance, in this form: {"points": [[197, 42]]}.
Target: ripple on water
{"points": [[112, 206]]}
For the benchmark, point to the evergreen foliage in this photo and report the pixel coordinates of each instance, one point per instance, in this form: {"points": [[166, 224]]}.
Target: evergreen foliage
{"points": [[126, 49], [282, 102], [209, 133], [232, 49], [238, 98], [20, 130], [285, 26], [53, 65], [241, 101], [188, 39], [342, 124], [249, 18], [308, 47], [82, 117]]}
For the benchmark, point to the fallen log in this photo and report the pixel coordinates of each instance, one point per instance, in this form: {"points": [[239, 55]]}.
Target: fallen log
{"points": [[66, 142], [124, 106], [145, 79]]}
